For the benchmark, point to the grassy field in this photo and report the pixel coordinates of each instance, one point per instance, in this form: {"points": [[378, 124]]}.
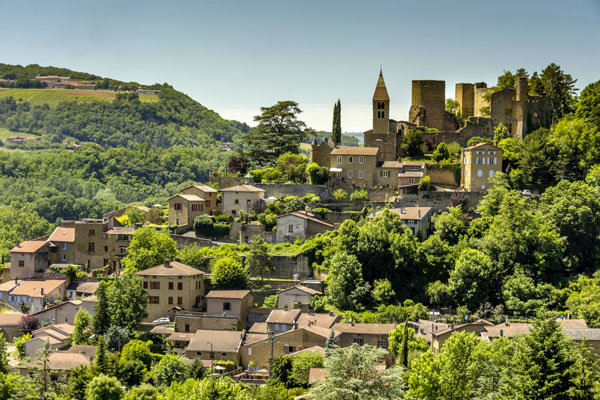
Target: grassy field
{"points": [[53, 96], [4, 133]]}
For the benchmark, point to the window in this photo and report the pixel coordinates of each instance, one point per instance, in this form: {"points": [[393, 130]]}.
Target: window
{"points": [[106, 249], [180, 300], [64, 245], [91, 232], [349, 159], [480, 160], [291, 228], [349, 174], [491, 173], [123, 250], [482, 187], [179, 285], [479, 173], [155, 285], [361, 159], [411, 180], [339, 159], [21, 263], [283, 327], [64, 257], [276, 327], [384, 174], [226, 306], [380, 105], [492, 160], [250, 351], [170, 285], [170, 300], [186, 328], [382, 344], [145, 284], [90, 246], [360, 342], [339, 175], [248, 202], [236, 201], [360, 174], [153, 299], [196, 207], [177, 206]]}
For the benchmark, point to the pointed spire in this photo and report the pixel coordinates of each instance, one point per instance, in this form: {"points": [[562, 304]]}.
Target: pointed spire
{"points": [[380, 90]]}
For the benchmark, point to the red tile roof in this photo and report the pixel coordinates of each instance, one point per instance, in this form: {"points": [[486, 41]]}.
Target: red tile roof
{"points": [[61, 234], [174, 268], [31, 246]]}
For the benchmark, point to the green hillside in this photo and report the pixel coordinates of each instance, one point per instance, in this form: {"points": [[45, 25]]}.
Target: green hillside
{"points": [[53, 97]]}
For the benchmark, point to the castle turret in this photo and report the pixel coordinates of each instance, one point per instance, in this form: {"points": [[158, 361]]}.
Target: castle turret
{"points": [[522, 100]]}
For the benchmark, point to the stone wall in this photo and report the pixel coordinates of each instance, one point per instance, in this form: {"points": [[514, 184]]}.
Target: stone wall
{"points": [[438, 201], [300, 190], [474, 126], [189, 240], [431, 96], [441, 176], [290, 267]]}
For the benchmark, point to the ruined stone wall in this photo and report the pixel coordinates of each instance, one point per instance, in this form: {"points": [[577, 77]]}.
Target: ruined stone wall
{"points": [[431, 95], [474, 126], [441, 176], [480, 90], [504, 109]]}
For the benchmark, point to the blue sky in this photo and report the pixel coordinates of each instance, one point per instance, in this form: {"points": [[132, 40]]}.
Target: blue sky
{"points": [[235, 56]]}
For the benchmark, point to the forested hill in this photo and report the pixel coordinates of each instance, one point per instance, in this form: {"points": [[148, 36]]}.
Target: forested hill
{"points": [[175, 119]]}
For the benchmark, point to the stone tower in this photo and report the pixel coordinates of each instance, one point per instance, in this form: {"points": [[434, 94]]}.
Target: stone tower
{"points": [[465, 95], [428, 104], [381, 135], [522, 100], [381, 107]]}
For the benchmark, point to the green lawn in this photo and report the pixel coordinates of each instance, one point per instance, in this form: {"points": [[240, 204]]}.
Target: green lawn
{"points": [[4, 133], [53, 96]]}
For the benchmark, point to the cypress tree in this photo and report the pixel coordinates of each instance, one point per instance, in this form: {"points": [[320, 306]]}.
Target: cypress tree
{"points": [[101, 361], [101, 316], [336, 130], [404, 346]]}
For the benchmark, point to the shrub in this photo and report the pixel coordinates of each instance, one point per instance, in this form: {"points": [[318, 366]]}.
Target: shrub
{"points": [[425, 183], [359, 195], [441, 153], [317, 175], [340, 194]]}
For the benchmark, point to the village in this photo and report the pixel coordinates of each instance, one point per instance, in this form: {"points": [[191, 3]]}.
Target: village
{"points": [[50, 279]]}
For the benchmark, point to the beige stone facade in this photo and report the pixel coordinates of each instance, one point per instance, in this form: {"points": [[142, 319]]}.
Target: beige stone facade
{"points": [[354, 165], [35, 295], [172, 284], [479, 163], [299, 225], [230, 302], [205, 192], [418, 219], [241, 197], [184, 208], [29, 258], [91, 244]]}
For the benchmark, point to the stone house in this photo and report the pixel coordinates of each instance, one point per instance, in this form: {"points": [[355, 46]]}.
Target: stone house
{"points": [[81, 289], [29, 258], [91, 244], [62, 313], [206, 193], [184, 208], [10, 325], [172, 284], [240, 197], [372, 334], [321, 151], [57, 336], [260, 347], [118, 241], [296, 295], [215, 345], [192, 321], [299, 225], [418, 219], [64, 238], [230, 302], [59, 361], [354, 165], [36, 295], [479, 163], [282, 320], [438, 338]]}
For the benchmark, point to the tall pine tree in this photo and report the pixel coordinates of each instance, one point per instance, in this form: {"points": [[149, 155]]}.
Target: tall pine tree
{"points": [[101, 315], [336, 130]]}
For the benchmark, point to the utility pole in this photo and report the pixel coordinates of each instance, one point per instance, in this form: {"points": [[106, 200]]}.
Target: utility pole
{"points": [[272, 334]]}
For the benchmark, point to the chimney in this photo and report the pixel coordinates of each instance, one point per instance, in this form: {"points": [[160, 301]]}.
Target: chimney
{"points": [[419, 213], [168, 264], [41, 291], [331, 313], [285, 308], [501, 333]]}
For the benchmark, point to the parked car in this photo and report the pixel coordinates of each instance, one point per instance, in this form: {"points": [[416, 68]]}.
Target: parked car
{"points": [[160, 321]]}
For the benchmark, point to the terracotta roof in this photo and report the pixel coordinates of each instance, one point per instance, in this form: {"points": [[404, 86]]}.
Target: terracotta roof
{"points": [[242, 188], [508, 330], [392, 164], [323, 332], [309, 217], [217, 341], [175, 268], [580, 334], [573, 323], [10, 319], [252, 338], [381, 92], [373, 329], [483, 145], [8, 285], [204, 188], [31, 246], [188, 197], [304, 289], [227, 294], [355, 151], [410, 174], [181, 337], [60, 360], [84, 287], [33, 288], [283, 316], [61, 234], [87, 351], [414, 163], [407, 212], [315, 349], [258, 327], [122, 230], [57, 331], [323, 320]]}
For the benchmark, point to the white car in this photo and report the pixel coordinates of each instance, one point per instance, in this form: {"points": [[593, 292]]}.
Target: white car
{"points": [[527, 192], [160, 321]]}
